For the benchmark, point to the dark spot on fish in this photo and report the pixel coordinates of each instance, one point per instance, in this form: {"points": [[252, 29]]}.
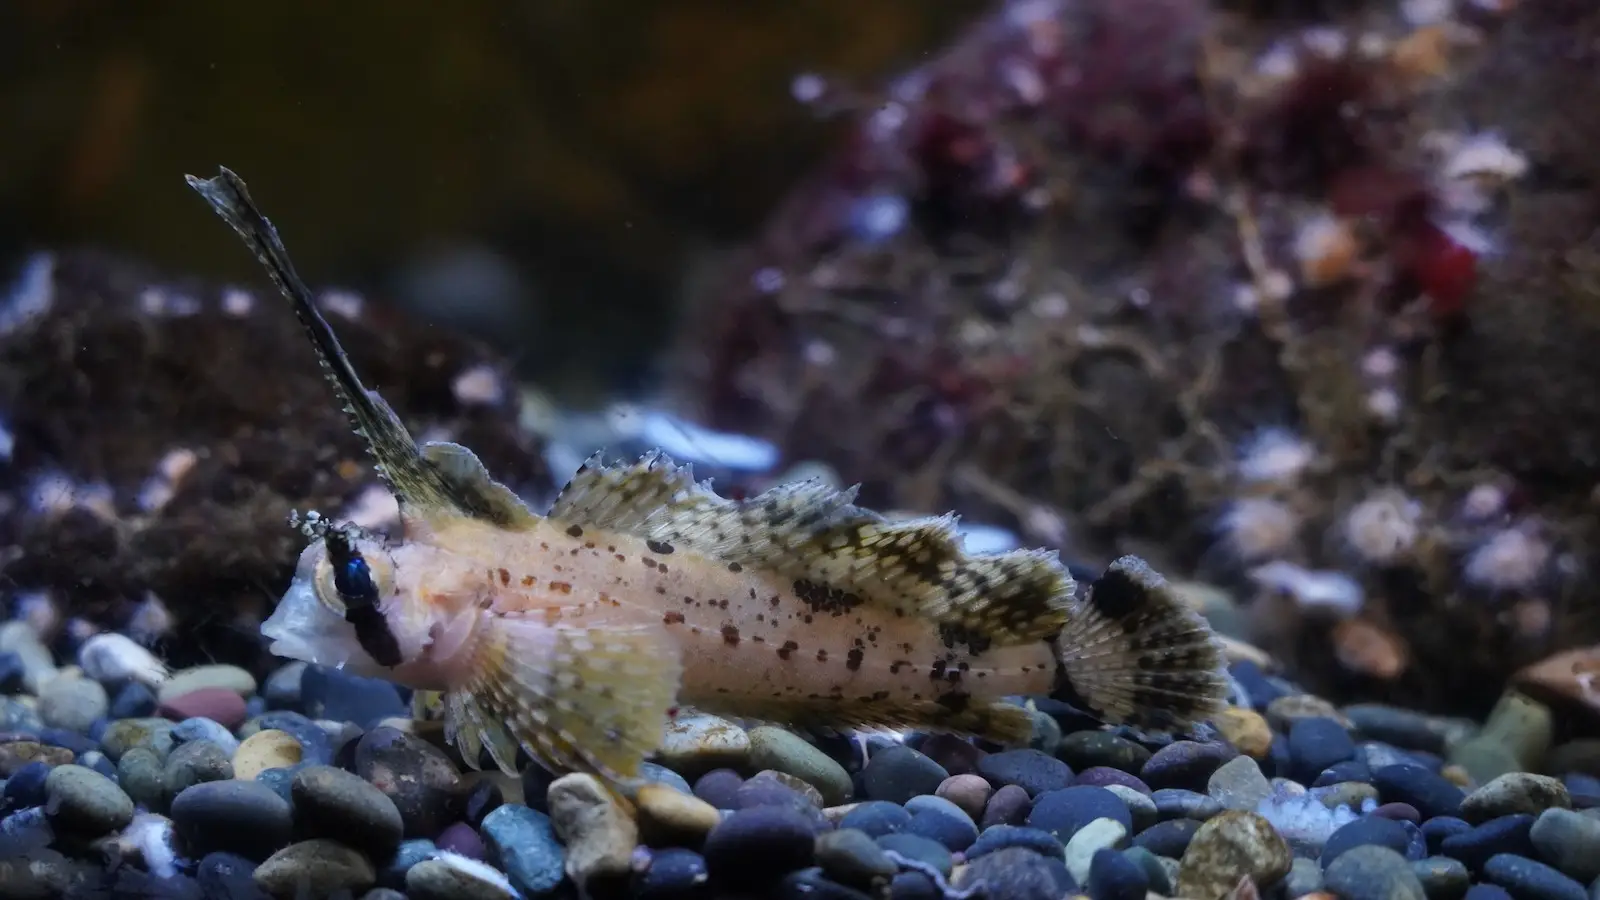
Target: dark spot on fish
{"points": [[730, 635], [879, 696], [773, 601], [648, 562], [694, 629], [936, 672], [897, 665], [661, 547], [561, 587], [588, 545], [852, 660], [822, 656], [672, 712], [752, 593], [505, 577], [527, 581], [673, 617], [575, 531], [954, 637], [661, 589], [735, 567], [806, 619], [787, 649], [758, 639], [821, 598]]}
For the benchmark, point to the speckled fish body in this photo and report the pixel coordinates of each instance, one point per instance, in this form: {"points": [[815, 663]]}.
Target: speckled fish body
{"points": [[574, 636]]}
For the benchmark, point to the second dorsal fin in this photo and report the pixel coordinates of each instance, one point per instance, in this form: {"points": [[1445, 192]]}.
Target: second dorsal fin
{"points": [[818, 537]]}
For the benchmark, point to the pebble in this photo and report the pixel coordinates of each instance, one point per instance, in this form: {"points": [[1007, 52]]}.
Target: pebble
{"points": [[1104, 776], [1246, 729], [341, 697], [1032, 770], [1113, 876], [141, 774], [1431, 793], [1405, 728], [1476, 845], [451, 876], [269, 749], [753, 847], [1008, 806], [1014, 874], [216, 675], [1442, 878], [1140, 807], [462, 839], [1367, 830], [1064, 812], [673, 873], [915, 847], [1239, 784], [72, 701], [669, 817], [134, 700], [1283, 712], [784, 751], [393, 871], [767, 784], [16, 754], [202, 729], [124, 734], [1305, 877], [598, 834], [853, 858], [242, 817], [696, 743], [1185, 764], [969, 792], [1228, 847], [219, 704], [1569, 841], [1515, 792], [957, 756], [900, 773], [1087, 749], [1002, 836], [1373, 873], [194, 763], [523, 841], [226, 875], [1101, 834], [1526, 879], [318, 867], [316, 745], [416, 776], [25, 787], [85, 802], [1315, 743], [1177, 803], [1169, 838], [281, 689], [333, 803], [940, 820]]}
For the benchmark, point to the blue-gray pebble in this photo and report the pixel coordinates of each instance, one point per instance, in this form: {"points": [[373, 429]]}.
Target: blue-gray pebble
{"points": [[1526, 879], [1064, 812], [525, 844]]}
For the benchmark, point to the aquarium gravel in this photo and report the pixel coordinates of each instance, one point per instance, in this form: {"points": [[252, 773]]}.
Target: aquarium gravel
{"points": [[310, 782]]}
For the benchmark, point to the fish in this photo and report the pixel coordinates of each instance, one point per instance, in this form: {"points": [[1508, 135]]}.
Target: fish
{"points": [[577, 636]]}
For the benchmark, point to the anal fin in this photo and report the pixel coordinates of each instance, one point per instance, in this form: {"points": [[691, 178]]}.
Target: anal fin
{"points": [[578, 699], [815, 536]]}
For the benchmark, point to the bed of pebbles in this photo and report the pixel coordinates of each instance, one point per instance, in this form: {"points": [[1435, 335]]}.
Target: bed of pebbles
{"points": [[121, 780]]}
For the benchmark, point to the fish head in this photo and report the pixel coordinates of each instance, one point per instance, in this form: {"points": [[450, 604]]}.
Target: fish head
{"points": [[314, 620]]}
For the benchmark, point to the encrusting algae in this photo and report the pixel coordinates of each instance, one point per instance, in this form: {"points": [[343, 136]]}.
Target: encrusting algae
{"points": [[577, 635]]}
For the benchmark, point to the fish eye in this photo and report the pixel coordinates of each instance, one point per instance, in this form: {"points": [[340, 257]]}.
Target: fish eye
{"points": [[355, 596]]}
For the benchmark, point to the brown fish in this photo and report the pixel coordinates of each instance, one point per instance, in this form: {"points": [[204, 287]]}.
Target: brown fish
{"points": [[576, 635]]}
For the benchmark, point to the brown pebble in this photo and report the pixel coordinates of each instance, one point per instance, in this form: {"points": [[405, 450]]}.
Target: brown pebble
{"points": [[969, 792], [1246, 729], [221, 705], [1399, 811], [16, 754]]}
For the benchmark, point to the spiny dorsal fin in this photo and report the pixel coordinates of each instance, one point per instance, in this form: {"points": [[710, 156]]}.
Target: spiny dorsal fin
{"points": [[474, 490], [422, 486], [816, 536]]}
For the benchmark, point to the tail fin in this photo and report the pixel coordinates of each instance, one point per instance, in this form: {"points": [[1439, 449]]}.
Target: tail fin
{"points": [[1135, 654]]}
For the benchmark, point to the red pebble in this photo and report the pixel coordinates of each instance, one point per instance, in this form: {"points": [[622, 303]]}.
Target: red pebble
{"points": [[461, 838], [1402, 811], [223, 706], [1445, 269]]}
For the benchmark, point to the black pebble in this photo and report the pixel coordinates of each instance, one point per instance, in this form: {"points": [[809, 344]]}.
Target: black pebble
{"points": [[1031, 770], [1338, 773], [674, 874], [719, 787], [1113, 876], [484, 798], [25, 787], [1257, 686], [316, 747], [1438, 828], [1017, 874], [1431, 793], [1064, 812], [900, 773], [1477, 845], [1365, 830], [11, 674], [811, 884], [1002, 836], [1485, 891], [1315, 743], [924, 850], [877, 818], [335, 695], [758, 845], [227, 875], [955, 833], [1525, 879], [1185, 764], [1169, 838], [133, 701], [914, 886]]}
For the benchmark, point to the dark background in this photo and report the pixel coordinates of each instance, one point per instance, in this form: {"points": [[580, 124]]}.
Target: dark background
{"points": [[547, 173]]}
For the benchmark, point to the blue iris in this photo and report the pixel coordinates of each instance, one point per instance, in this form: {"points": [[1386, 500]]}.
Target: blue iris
{"points": [[353, 581]]}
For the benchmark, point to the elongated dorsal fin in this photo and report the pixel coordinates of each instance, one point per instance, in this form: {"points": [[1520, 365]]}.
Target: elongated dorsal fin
{"points": [[816, 536], [429, 483]]}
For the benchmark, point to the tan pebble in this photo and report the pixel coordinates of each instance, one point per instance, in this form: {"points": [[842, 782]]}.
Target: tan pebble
{"points": [[1458, 776], [269, 749], [799, 785], [669, 817], [969, 792], [1285, 711], [1368, 649], [1245, 729], [599, 835], [836, 813]]}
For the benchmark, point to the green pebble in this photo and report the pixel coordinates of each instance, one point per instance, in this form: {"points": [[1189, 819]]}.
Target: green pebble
{"points": [[784, 751]]}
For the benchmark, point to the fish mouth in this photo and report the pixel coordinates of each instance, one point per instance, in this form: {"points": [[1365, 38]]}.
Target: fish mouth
{"points": [[302, 628]]}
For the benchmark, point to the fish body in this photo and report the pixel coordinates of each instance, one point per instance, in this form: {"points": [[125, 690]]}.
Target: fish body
{"points": [[576, 635]]}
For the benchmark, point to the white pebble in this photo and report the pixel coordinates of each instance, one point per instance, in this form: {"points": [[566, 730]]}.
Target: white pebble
{"points": [[1256, 528], [1511, 560], [1383, 528], [1333, 591], [110, 656], [1276, 456]]}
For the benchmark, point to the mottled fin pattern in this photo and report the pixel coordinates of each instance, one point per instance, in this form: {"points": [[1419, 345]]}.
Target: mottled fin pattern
{"points": [[1000, 722], [1136, 654], [439, 480], [587, 699], [816, 536]]}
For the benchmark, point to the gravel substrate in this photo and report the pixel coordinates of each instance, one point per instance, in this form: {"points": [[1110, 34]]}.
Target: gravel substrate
{"points": [[312, 784]]}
